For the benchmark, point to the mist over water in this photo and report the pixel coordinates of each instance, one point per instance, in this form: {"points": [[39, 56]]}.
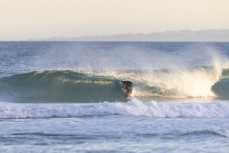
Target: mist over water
{"points": [[158, 71], [68, 97], [125, 56]]}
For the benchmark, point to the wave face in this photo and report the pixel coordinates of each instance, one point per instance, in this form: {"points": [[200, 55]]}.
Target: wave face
{"points": [[60, 86], [100, 86], [221, 87]]}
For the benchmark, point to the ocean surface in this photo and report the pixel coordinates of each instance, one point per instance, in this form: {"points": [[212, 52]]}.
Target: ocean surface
{"points": [[67, 97]]}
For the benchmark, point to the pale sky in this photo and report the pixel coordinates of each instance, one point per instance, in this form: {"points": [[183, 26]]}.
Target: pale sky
{"points": [[37, 19]]}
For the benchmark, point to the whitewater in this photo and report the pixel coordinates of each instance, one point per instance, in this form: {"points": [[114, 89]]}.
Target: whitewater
{"points": [[68, 97]]}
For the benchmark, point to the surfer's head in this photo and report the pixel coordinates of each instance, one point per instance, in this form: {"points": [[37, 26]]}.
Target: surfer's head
{"points": [[128, 86]]}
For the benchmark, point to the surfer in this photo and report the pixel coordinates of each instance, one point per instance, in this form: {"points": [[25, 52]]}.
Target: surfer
{"points": [[127, 86]]}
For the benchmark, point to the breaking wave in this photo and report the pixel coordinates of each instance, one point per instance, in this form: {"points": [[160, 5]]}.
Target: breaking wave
{"points": [[60, 86], [133, 107], [99, 86]]}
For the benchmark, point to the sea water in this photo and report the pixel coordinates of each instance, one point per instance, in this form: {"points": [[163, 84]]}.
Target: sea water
{"points": [[67, 97]]}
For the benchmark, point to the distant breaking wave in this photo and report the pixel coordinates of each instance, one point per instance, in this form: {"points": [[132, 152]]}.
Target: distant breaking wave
{"points": [[99, 86]]}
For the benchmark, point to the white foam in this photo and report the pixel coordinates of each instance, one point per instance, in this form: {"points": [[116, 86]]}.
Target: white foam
{"points": [[134, 107]]}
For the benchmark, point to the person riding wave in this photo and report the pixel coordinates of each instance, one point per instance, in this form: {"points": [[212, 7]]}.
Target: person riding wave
{"points": [[128, 86]]}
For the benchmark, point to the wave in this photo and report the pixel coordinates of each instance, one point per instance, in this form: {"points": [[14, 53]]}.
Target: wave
{"points": [[99, 86], [60, 86], [216, 132], [133, 107]]}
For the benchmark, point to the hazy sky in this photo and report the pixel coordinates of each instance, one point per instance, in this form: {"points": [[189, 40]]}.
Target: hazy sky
{"points": [[24, 19]]}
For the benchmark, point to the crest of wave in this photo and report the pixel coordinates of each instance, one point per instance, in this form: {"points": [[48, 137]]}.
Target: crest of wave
{"points": [[178, 82], [193, 82]]}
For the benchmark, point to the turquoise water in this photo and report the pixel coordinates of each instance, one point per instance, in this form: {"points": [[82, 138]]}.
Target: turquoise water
{"points": [[67, 97]]}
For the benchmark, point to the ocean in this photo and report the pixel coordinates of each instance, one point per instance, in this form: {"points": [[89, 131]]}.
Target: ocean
{"points": [[68, 97]]}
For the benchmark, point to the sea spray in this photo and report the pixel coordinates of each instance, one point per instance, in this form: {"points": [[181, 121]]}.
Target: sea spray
{"points": [[171, 71], [84, 87], [35, 72]]}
